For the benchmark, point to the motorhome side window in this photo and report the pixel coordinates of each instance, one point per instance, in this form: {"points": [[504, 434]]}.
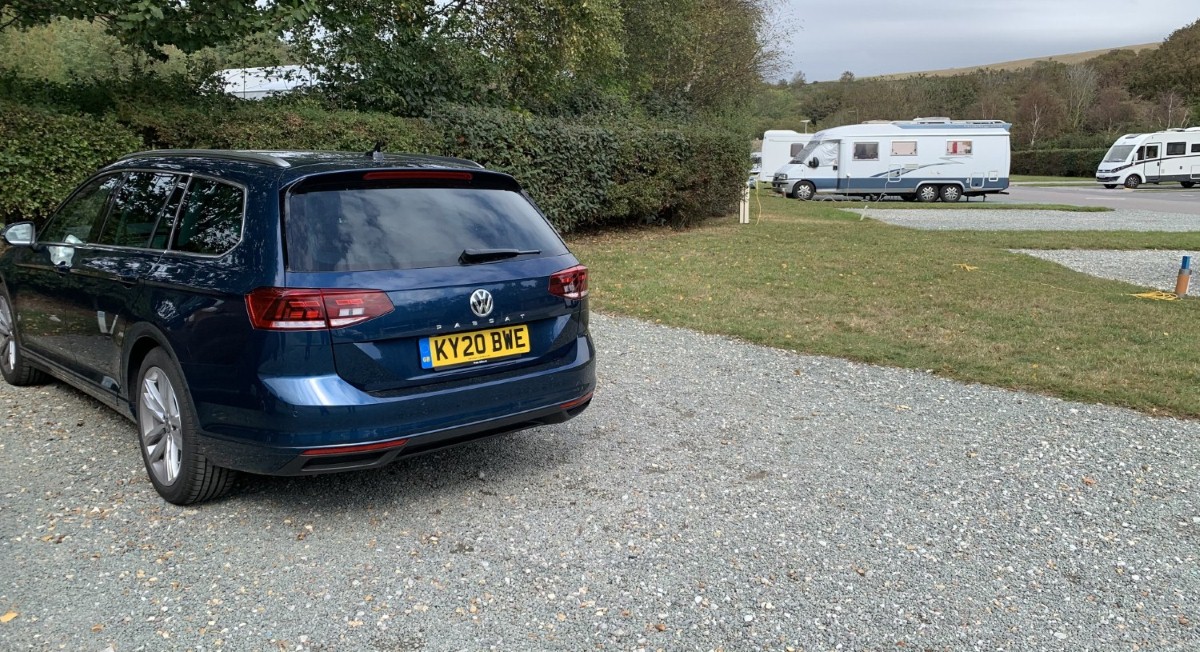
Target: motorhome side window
{"points": [[904, 148], [958, 147], [1196, 148], [1151, 151], [1176, 149], [866, 151]]}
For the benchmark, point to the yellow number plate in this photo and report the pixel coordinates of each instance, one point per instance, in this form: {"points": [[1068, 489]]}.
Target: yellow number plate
{"points": [[476, 346]]}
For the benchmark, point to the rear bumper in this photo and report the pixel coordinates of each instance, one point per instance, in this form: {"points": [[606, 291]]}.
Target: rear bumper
{"points": [[303, 416]]}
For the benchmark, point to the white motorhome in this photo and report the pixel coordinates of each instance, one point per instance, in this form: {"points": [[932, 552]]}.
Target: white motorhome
{"points": [[922, 159], [258, 83], [778, 147], [1163, 156]]}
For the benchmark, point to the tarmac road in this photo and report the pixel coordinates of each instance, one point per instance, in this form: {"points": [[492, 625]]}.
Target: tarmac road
{"points": [[1167, 198]]}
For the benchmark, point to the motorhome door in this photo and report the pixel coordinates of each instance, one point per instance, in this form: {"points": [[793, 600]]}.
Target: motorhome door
{"points": [[1153, 162]]}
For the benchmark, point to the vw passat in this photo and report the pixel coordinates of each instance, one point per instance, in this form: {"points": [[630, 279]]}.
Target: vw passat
{"points": [[291, 313]]}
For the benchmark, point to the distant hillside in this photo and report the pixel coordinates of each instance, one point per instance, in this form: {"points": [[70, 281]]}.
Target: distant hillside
{"points": [[1068, 59]]}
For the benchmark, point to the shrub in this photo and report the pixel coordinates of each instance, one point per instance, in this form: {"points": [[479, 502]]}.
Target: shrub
{"points": [[583, 173], [264, 125], [44, 155], [1058, 162]]}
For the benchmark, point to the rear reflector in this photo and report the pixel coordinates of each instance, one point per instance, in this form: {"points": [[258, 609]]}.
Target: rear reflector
{"points": [[310, 309], [361, 448], [570, 283], [577, 402], [417, 174]]}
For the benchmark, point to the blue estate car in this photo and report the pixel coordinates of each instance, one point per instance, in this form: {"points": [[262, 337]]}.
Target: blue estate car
{"points": [[291, 313]]}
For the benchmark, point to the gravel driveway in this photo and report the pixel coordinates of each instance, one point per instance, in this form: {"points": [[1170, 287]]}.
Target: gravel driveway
{"points": [[717, 495]]}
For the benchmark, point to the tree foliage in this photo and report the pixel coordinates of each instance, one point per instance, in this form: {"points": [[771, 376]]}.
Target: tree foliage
{"points": [[148, 25]]}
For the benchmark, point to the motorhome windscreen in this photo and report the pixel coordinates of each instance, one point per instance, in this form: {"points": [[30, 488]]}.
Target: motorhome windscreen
{"points": [[803, 155], [1118, 153]]}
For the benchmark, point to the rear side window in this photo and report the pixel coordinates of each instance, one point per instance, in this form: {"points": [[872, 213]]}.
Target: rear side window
{"points": [[211, 220], [1176, 149], [374, 228], [136, 209]]}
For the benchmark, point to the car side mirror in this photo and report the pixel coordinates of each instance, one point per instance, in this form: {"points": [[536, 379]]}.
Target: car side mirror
{"points": [[20, 234], [813, 163]]}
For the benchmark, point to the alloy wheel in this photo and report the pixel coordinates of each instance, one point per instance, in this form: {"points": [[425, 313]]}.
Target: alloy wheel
{"points": [[159, 422]]}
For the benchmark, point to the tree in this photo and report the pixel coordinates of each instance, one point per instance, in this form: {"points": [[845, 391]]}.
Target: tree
{"points": [[1170, 110], [1080, 90], [1039, 113], [149, 25], [705, 54], [1112, 109], [993, 100], [799, 79], [847, 76], [1173, 66]]}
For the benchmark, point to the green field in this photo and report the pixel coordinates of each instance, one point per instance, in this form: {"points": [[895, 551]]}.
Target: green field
{"points": [[809, 277]]}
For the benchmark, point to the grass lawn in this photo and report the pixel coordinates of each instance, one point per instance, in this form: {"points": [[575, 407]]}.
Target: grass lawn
{"points": [[812, 278]]}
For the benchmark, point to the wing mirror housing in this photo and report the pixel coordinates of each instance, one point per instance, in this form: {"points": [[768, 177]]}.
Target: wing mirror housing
{"points": [[813, 163], [20, 234]]}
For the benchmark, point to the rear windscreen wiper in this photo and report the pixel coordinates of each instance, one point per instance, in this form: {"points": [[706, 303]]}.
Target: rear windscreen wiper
{"points": [[469, 256]]}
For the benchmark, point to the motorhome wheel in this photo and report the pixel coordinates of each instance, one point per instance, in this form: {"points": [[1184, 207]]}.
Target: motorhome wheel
{"points": [[927, 193]]}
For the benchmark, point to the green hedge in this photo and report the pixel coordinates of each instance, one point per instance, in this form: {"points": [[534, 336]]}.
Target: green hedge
{"points": [[254, 125], [583, 174], [44, 155], [1058, 162]]}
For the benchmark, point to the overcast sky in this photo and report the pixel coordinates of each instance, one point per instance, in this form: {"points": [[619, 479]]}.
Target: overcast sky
{"points": [[823, 38]]}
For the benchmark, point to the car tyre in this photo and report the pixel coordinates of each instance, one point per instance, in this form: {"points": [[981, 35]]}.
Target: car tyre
{"points": [[1133, 181], [927, 193], [804, 190], [13, 367], [1187, 184], [950, 193], [1110, 186], [167, 435]]}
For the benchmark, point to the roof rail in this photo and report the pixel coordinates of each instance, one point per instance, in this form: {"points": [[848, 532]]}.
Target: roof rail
{"points": [[230, 154]]}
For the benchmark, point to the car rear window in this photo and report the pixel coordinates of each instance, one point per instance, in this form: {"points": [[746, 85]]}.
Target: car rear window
{"points": [[375, 228]]}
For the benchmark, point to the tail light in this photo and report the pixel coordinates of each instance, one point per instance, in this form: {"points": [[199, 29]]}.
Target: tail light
{"points": [[284, 309], [570, 283]]}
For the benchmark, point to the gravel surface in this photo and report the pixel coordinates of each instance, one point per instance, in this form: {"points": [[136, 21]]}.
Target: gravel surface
{"points": [[717, 495], [1031, 220], [1150, 269]]}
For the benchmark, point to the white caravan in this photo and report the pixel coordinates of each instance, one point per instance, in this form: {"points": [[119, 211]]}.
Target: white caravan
{"points": [[923, 159], [779, 146], [1163, 156]]}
